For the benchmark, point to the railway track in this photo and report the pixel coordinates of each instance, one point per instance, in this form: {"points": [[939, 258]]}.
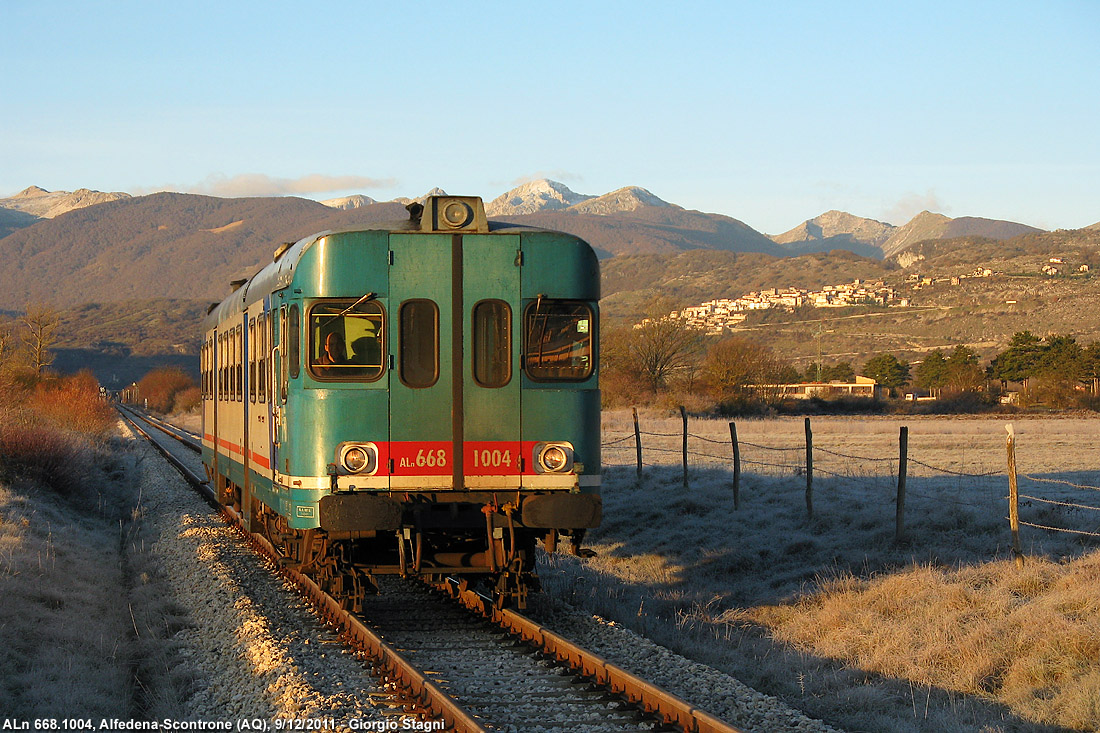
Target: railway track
{"points": [[448, 654]]}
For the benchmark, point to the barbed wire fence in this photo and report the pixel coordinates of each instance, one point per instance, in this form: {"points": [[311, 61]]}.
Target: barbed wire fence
{"points": [[806, 460], [1069, 504]]}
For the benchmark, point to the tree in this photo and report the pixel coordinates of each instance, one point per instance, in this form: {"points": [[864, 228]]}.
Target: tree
{"points": [[840, 372], [1018, 362], [1061, 358], [887, 370], [962, 371], [5, 344], [40, 324], [658, 349], [931, 374], [738, 369]]}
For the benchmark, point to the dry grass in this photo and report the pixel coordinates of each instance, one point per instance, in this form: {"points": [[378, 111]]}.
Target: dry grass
{"points": [[49, 433], [87, 626], [83, 621], [1028, 638], [940, 632]]}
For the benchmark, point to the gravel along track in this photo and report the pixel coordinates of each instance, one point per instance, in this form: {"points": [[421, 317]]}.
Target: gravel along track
{"points": [[714, 691], [249, 627], [496, 680], [253, 647]]}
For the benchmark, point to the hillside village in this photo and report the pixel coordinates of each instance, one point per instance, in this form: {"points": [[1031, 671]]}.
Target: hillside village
{"points": [[715, 316]]}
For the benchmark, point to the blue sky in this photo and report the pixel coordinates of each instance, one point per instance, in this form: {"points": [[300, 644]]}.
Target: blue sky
{"points": [[770, 113]]}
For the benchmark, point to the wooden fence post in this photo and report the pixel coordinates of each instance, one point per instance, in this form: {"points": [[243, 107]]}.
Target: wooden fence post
{"points": [[903, 459], [638, 443], [684, 418], [809, 471], [1013, 497], [736, 467]]}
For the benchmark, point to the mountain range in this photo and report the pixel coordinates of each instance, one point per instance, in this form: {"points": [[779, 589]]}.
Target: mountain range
{"points": [[87, 246], [133, 274]]}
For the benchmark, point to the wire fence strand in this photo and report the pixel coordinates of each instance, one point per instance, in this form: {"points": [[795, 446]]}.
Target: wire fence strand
{"points": [[1059, 529], [850, 467], [1059, 481]]}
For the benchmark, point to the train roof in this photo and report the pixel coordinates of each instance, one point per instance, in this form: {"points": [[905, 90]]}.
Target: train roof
{"points": [[279, 273]]}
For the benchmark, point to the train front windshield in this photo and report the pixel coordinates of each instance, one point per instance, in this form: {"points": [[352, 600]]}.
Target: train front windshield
{"points": [[346, 340], [559, 341]]}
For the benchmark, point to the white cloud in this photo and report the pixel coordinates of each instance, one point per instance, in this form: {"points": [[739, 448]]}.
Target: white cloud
{"points": [[912, 204], [556, 175], [259, 184]]}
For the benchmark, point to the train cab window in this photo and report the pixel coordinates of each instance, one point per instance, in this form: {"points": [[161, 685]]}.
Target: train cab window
{"points": [[558, 341], [346, 340], [492, 343], [293, 341], [419, 336]]}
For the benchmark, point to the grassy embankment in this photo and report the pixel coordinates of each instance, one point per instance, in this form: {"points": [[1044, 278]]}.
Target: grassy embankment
{"points": [[84, 625]]}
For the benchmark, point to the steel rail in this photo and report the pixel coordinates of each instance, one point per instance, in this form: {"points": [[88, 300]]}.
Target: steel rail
{"points": [[673, 710], [183, 436], [424, 697], [428, 698]]}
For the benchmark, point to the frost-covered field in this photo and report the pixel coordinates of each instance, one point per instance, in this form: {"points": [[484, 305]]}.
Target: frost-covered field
{"points": [[682, 566]]}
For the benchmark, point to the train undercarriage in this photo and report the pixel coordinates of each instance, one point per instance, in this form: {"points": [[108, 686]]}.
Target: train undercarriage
{"points": [[475, 536]]}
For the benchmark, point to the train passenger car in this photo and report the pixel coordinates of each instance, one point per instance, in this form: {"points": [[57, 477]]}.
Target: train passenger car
{"points": [[416, 399]]}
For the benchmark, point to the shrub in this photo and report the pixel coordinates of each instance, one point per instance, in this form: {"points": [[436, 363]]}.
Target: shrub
{"points": [[32, 450], [187, 400], [160, 387], [73, 403]]}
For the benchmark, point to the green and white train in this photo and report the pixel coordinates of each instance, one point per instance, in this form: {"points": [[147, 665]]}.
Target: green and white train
{"points": [[418, 399]]}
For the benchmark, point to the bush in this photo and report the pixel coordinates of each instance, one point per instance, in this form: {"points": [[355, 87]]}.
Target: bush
{"points": [[32, 450], [73, 403], [187, 400], [159, 388], [49, 428]]}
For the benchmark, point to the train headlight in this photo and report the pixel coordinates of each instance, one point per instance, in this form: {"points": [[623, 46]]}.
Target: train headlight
{"points": [[456, 214], [553, 457], [359, 457]]}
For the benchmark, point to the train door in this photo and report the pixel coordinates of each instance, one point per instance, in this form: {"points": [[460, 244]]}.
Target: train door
{"points": [[492, 317], [421, 312], [285, 322], [257, 445]]}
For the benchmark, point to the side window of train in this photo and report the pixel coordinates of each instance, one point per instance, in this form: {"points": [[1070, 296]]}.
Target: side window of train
{"points": [[231, 369], [346, 340], [225, 367], [221, 367], [558, 341], [238, 352], [492, 343], [252, 360], [294, 337], [419, 336], [261, 358]]}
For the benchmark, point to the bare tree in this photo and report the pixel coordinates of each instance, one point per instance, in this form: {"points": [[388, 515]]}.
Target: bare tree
{"points": [[5, 344], [660, 349], [40, 324], [739, 369]]}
